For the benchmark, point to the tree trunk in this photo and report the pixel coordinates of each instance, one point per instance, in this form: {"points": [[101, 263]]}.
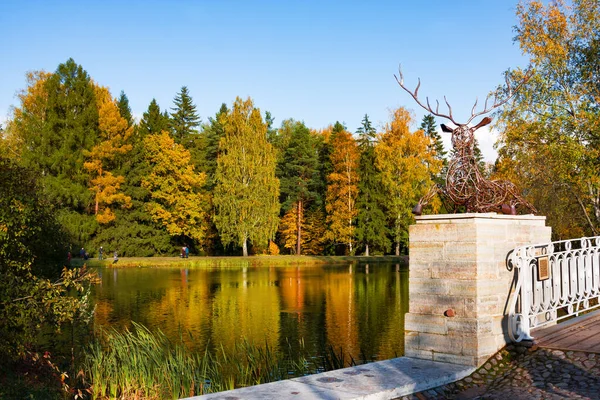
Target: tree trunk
{"points": [[245, 248], [397, 248], [299, 230], [367, 250]]}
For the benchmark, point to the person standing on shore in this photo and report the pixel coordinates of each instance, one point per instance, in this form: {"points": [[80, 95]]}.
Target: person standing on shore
{"points": [[100, 253]]}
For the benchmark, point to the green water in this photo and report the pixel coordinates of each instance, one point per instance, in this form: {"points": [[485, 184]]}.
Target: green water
{"points": [[359, 309]]}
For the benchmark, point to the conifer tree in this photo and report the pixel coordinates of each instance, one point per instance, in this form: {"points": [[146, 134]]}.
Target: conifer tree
{"points": [[209, 145], [246, 196], [56, 124], [70, 126], [297, 172], [371, 229], [429, 128], [153, 121], [124, 108], [184, 118], [342, 189]]}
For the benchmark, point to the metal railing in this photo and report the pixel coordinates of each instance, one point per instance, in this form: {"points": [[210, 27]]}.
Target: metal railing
{"points": [[554, 281]]}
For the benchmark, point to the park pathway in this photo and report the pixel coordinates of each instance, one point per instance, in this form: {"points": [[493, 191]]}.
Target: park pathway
{"points": [[563, 363]]}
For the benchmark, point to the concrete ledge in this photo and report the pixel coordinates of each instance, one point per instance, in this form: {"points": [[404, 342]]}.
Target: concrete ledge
{"points": [[387, 379]]}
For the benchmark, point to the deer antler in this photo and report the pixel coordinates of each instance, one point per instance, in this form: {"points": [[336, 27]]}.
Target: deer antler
{"points": [[510, 93], [497, 103], [428, 107]]}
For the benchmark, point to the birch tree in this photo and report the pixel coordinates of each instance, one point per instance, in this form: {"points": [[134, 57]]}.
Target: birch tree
{"points": [[246, 195]]}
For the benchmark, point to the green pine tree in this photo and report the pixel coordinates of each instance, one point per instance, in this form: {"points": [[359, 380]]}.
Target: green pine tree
{"points": [[371, 227], [55, 143], [429, 127], [297, 171], [184, 118], [209, 145], [153, 121], [124, 109]]}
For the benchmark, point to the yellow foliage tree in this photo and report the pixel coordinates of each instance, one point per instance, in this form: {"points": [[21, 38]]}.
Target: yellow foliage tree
{"points": [[288, 229], [407, 163], [114, 136], [246, 194], [342, 189], [550, 141], [28, 119], [314, 232], [178, 202]]}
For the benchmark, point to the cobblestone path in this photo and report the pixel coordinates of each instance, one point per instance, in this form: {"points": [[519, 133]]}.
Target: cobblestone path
{"points": [[518, 372]]}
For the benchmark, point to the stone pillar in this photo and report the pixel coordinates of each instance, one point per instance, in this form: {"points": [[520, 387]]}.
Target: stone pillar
{"points": [[458, 263]]}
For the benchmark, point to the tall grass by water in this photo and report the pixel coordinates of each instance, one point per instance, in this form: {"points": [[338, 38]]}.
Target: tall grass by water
{"points": [[140, 364]]}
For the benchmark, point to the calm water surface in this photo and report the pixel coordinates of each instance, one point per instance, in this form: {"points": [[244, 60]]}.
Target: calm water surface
{"points": [[359, 308]]}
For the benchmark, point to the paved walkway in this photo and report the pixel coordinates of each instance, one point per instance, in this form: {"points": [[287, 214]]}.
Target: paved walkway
{"points": [[564, 363], [521, 373]]}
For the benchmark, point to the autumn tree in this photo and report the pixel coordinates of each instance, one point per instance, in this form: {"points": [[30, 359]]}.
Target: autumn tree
{"points": [[371, 228], [178, 202], [184, 117], [134, 232], [246, 195], [407, 163], [342, 189], [297, 171], [114, 138], [550, 133]]}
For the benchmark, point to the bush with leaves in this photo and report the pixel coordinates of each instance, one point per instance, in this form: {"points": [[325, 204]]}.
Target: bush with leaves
{"points": [[35, 289]]}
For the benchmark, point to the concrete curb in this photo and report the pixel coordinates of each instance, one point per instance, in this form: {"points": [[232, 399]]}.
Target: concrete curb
{"points": [[387, 379]]}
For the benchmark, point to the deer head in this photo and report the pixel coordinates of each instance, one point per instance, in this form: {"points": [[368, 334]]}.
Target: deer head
{"points": [[463, 134]]}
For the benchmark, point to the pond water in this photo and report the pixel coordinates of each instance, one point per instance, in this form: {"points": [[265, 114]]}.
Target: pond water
{"points": [[356, 308]]}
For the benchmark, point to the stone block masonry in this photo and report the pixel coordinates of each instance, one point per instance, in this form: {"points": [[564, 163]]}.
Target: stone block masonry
{"points": [[458, 263]]}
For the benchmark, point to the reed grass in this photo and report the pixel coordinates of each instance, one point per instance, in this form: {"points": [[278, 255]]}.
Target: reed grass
{"points": [[140, 364]]}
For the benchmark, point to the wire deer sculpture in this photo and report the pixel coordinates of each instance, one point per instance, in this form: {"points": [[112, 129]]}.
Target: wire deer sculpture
{"points": [[465, 184]]}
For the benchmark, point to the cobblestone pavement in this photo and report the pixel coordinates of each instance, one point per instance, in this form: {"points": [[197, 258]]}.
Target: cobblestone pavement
{"points": [[518, 372]]}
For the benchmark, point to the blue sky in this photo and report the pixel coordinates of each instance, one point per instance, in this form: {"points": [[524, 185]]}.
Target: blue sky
{"points": [[316, 61]]}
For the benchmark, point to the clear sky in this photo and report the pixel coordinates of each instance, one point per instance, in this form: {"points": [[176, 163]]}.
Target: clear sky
{"points": [[315, 61]]}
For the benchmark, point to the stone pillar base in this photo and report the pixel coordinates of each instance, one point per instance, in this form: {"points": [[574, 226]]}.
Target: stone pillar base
{"points": [[459, 284]]}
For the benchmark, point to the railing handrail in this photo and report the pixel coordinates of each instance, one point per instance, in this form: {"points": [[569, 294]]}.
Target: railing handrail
{"points": [[555, 281]]}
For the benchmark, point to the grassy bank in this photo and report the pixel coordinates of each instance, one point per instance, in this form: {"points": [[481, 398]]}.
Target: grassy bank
{"points": [[237, 262]]}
